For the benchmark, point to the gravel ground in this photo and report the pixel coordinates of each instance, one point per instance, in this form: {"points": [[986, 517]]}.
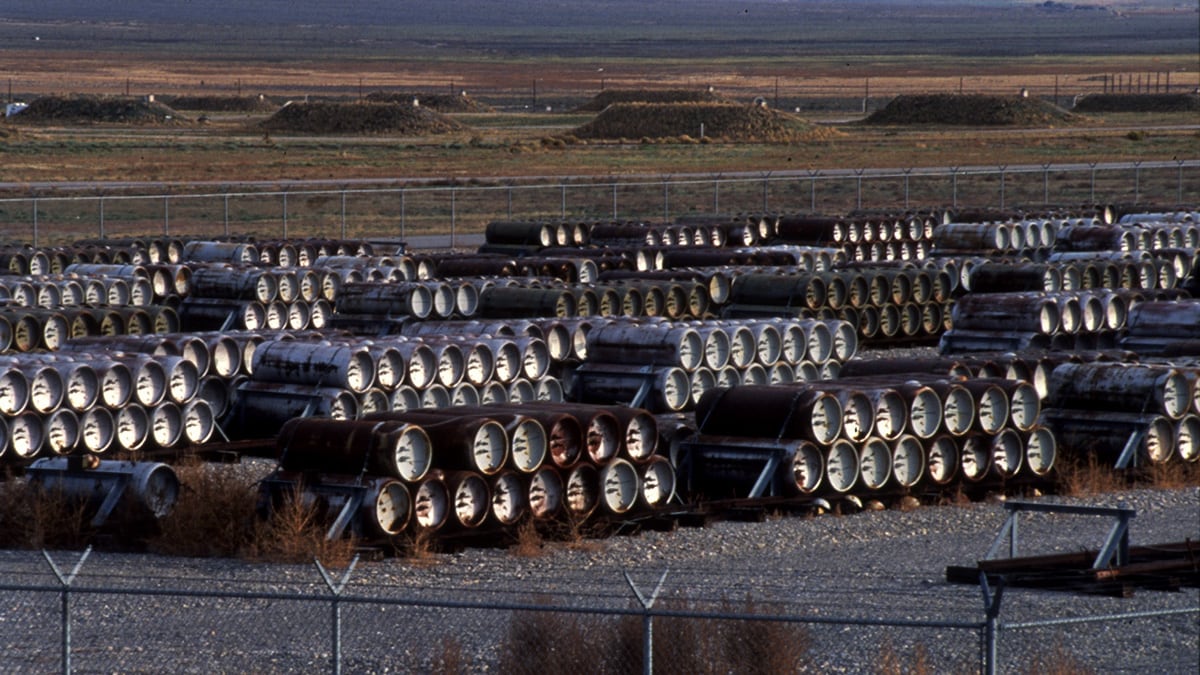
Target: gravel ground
{"points": [[879, 566]]}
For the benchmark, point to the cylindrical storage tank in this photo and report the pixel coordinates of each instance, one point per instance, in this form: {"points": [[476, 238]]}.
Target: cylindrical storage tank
{"points": [[620, 486], [622, 342], [908, 461], [508, 498], [152, 488], [166, 425], [1008, 454], [60, 431], [657, 482], [670, 387], [1121, 387], [582, 490], [771, 411], [471, 498], [841, 466], [316, 363], [261, 408], [133, 427], [874, 464], [473, 443], [1006, 312], [249, 283], [97, 430], [431, 504], [1187, 438], [1041, 450], [1106, 434], [392, 448]]}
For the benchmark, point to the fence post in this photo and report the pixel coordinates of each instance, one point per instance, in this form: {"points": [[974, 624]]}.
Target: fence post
{"points": [[614, 200], [1046, 183], [562, 208], [991, 629], [666, 199], [766, 183], [858, 190], [66, 581], [1093, 182], [226, 195], [812, 189], [101, 216], [453, 213], [509, 191], [336, 610], [717, 194], [285, 220], [1002, 167], [1137, 180], [647, 620], [906, 173], [343, 213], [954, 187], [402, 213], [1179, 181], [166, 215]]}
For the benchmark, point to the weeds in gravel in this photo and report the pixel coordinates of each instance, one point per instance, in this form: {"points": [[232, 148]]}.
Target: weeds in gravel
{"points": [[421, 548], [294, 532], [451, 659], [529, 541], [213, 517], [34, 518], [892, 662], [546, 641], [1058, 660]]}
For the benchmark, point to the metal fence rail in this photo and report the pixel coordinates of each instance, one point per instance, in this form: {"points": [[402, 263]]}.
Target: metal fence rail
{"points": [[49, 213], [129, 623]]}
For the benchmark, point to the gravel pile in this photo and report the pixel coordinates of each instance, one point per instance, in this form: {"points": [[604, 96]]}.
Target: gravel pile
{"points": [[885, 566]]}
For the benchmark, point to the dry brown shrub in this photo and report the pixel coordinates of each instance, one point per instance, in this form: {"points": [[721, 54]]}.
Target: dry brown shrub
{"points": [[1090, 476], [214, 515], [451, 659], [529, 541], [31, 517], [1172, 475], [295, 532], [421, 547]]}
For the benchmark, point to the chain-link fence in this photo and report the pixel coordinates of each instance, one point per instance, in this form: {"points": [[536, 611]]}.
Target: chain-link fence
{"points": [[456, 212], [64, 616]]}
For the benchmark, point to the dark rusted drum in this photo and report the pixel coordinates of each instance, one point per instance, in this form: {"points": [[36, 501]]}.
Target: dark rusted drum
{"points": [[60, 432], [841, 466], [1041, 450], [779, 412], [1187, 438], [544, 493], [473, 443], [583, 490], [431, 504], [657, 481], [1008, 454], [1121, 387], [470, 496], [637, 343], [316, 363], [509, 497], [97, 430], [1106, 434], [1006, 312], [620, 486], [391, 448], [133, 427], [908, 461], [874, 464]]}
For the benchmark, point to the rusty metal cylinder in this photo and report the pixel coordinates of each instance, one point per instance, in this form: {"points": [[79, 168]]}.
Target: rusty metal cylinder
{"points": [[509, 498], [384, 299], [390, 448], [244, 283], [995, 277], [1006, 312], [669, 387], [516, 302], [544, 493], [466, 442], [795, 411], [1121, 387], [219, 251], [1108, 434], [637, 343], [315, 363], [470, 498]]}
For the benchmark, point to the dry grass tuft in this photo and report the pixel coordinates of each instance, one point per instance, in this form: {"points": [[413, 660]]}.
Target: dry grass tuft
{"points": [[214, 515], [1057, 661], [421, 547], [529, 541], [33, 518], [294, 532], [892, 662]]}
